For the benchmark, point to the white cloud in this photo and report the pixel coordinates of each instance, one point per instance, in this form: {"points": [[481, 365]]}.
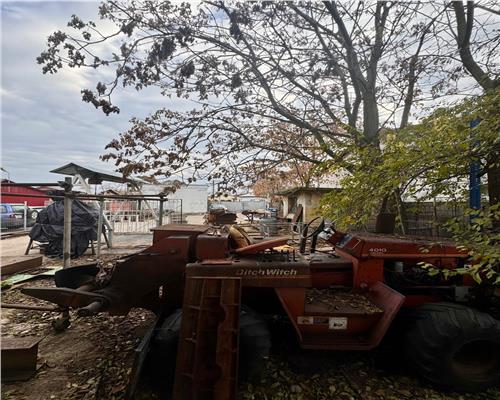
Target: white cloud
{"points": [[44, 122]]}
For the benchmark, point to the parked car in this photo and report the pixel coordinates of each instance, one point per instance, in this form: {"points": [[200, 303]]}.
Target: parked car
{"points": [[35, 210], [12, 216]]}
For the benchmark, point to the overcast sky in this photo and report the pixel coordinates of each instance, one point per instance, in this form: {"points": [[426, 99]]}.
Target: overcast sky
{"points": [[44, 122]]}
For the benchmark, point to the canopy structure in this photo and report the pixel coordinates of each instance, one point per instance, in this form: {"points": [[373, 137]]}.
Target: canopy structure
{"points": [[84, 176], [93, 175]]}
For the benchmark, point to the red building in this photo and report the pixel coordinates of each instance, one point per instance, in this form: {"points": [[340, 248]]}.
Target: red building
{"points": [[26, 191]]}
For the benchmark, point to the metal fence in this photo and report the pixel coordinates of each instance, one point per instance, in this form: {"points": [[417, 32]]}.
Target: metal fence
{"points": [[139, 216], [117, 213], [17, 217], [239, 206], [427, 219]]}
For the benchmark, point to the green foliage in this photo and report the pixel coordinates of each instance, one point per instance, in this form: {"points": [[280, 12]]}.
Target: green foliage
{"points": [[423, 162], [362, 189], [481, 240], [420, 162]]}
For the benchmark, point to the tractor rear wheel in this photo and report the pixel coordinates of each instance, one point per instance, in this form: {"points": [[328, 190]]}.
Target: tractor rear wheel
{"points": [[255, 343], [455, 347]]}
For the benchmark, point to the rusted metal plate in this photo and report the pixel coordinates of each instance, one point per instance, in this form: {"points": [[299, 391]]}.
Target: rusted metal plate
{"points": [[16, 264], [226, 353], [19, 356], [333, 339], [161, 232], [181, 228], [211, 246]]}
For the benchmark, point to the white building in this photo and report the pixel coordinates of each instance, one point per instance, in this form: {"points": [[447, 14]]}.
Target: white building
{"points": [[193, 196]]}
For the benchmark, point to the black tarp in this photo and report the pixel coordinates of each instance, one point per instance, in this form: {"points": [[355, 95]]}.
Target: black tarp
{"points": [[49, 227]]}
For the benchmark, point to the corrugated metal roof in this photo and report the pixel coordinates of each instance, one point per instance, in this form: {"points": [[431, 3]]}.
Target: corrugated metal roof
{"points": [[73, 169]]}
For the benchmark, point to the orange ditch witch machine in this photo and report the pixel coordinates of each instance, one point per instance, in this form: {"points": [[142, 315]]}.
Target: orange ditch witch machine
{"points": [[212, 289]]}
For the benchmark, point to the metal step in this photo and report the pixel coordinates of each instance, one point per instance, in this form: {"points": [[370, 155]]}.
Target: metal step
{"points": [[337, 325]]}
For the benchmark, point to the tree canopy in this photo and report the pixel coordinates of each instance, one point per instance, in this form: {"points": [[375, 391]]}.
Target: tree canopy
{"points": [[273, 82], [423, 161]]}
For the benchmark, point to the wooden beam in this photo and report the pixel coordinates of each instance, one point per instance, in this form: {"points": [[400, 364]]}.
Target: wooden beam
{"points": [[15, 264]]}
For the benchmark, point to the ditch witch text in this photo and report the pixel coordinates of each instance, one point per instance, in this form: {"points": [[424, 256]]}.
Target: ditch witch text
{"points": [[266, 272]]}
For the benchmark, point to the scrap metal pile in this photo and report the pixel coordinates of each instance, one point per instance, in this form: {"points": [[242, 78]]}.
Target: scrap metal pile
{"points": [[219, 216]]}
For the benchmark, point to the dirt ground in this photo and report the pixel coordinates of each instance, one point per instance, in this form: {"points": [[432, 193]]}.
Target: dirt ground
{"points": [[92, 359]]}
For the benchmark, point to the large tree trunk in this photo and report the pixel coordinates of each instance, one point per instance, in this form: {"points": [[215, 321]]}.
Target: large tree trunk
{"points": [[494, 185], [493, 173], [386, 218], [371, 120]]}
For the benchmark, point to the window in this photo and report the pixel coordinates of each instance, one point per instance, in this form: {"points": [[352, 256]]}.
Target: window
{"points": [[3, 209]]}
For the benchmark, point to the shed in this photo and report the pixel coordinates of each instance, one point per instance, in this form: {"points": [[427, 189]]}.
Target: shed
{"points": [[27, 191], [307, 197], [194, 196]]}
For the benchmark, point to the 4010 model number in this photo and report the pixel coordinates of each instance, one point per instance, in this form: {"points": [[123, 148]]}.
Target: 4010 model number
{"points": [[378, 250]]}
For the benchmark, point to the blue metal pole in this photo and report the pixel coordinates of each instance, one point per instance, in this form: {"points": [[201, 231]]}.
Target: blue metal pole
{"points": [[474, 177]]}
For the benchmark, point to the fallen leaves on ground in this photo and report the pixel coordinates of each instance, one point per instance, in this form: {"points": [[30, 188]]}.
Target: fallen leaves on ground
{"points": [[103, 371], [99, 370], [353, 378]]}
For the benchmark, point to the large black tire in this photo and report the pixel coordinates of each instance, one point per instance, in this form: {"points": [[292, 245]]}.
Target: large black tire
{"points": [[455, 347], [163, 351], [255, 343]]}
